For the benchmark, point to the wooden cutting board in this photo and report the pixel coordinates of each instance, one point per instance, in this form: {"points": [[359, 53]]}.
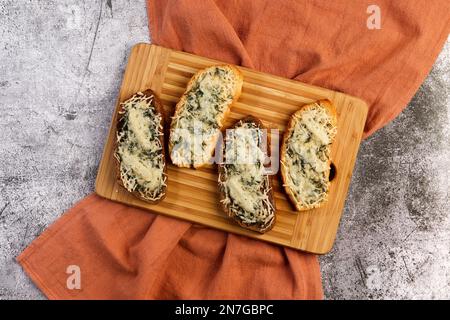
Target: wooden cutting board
{"points": [[193, 194]]}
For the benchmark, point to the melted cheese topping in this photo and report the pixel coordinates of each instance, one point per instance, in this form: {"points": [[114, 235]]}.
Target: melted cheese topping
{"points": [[139, 126], [244, 198], [243, 181], [139, 149], [145, 174], [307, 154], [196, 125]]}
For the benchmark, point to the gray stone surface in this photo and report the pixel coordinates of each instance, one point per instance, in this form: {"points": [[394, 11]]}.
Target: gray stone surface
{"points": [[394, 238], [61, 65]]}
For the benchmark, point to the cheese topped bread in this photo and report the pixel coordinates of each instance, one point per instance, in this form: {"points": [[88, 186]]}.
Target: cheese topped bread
{"points": [[200, 113], [305, 154], [139, 152], [245, 188]]}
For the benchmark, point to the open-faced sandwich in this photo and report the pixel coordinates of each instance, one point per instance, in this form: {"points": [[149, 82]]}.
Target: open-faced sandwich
{"points": [[246, 193], [200, 113], [139, 150], [305, 154]]}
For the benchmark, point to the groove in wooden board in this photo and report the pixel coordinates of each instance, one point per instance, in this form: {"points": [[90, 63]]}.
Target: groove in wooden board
{"points": [[275, 95], [172, 82], [210, 200], [191, 60], [176, 84], [188, 61], [275, 113], [267, 102], [284, 217], [183, 178], [176, 77], [196, 210], [148, 72], [183, 69], [180, 70], [265, 114], [209, 191], [174, 91], [182, 199], [193, 215], [203, 173], [193, 194], [135, 77], [168, 100], [287, 85], [306, 96]]}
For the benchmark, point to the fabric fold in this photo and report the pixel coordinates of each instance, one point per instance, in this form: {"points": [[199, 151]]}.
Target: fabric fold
{"points": [[128, 253]]}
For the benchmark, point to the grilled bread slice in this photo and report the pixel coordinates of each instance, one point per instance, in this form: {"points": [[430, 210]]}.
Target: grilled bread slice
{"points": [[246, 193], [305, 154], [139, 149], [200, 113]]}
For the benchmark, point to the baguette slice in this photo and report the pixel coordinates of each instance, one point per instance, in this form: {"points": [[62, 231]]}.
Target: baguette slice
{"points": [[200, 113], [246, 193], [305, 154], [139, 148]]}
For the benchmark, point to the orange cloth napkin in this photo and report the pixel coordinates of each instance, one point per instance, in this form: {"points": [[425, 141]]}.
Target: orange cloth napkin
{"points": [[124, 252]]}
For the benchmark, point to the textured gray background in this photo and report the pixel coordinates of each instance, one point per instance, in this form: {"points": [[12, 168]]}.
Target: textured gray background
{"points": [[60, 70]]}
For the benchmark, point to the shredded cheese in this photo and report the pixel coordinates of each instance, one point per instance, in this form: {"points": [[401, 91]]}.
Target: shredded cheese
{"points": [[307, 154], [243, 180], [139, 149], [196, 125]]}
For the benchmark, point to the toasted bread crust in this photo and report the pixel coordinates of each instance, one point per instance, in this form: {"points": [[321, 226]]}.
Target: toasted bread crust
{"points": [[225, 208], [182, 102], [299, 206], [160, 110]]}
